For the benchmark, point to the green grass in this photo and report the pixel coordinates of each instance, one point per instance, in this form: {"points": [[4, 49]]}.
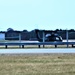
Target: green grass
{"points": [[37, 64]]}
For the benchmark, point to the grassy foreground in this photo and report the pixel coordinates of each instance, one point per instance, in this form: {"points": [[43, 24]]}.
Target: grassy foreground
{"points": [[37, 64]]}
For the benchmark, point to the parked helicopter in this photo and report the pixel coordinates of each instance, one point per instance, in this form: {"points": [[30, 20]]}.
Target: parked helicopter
{"points": [[47, 36]]}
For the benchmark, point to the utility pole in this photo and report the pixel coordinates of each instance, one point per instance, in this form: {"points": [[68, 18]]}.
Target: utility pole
{"points": [[67, 37], [43, 37], [20, 39]]}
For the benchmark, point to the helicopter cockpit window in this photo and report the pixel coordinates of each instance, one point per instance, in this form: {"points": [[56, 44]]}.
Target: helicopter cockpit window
{"points": [[57, 38], [47, 35]]}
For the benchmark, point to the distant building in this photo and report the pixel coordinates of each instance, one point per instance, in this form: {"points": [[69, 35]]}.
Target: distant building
{"points": [[2, 35]]}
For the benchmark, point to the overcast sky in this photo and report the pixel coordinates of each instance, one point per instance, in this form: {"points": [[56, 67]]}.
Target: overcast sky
{"points": [[41, 14]]}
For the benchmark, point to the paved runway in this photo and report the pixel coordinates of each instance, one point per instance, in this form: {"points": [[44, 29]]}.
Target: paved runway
{"points": [[52, 50]]}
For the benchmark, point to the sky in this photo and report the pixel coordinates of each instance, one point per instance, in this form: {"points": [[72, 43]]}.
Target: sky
{"points": [[37, 14]]}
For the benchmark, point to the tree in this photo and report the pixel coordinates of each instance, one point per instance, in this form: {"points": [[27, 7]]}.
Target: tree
{"points": [[71, 30], [25, 31], [10, 29]]}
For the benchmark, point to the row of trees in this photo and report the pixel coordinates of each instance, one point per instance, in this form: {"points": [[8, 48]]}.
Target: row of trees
{"points": [[11, 29], [71, 30]]}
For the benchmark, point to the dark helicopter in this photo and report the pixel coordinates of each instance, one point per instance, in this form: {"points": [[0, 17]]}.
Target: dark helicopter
{"points": [[47, 36]]}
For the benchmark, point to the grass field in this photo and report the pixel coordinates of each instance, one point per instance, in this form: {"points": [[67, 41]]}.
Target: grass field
{"points": [[37, 64]]}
